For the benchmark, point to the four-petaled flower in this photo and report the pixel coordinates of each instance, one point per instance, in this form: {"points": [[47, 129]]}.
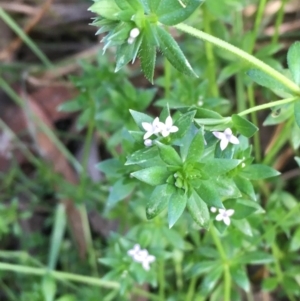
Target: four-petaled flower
{"points": [[224, 215], [226, 137], [141, 256], [152, 128], [168, 127]]}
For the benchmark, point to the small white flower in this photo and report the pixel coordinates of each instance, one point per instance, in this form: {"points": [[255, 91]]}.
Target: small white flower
{"points": [[141, 256], [134, 33], [213, 209], [224, 215], [168, 127], [152, 128], [148, 142], [226, 137]]}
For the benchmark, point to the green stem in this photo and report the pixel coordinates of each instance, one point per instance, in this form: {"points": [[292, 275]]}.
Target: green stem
{"points": [[21, 269], [282, 139], [278, 270], [268, 105], [254, 119], [278, 22], [241, 54], [211, 64], [227, 276], [35, 49], [191, 290], [161, 281]]}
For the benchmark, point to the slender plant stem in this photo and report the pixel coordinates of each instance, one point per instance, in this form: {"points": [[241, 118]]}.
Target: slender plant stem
{"points": [[35, 49], [239, 77], [278, 22], [71, 277], [254, 119], [211, 63], [161, 280], [191, 290], [227, 276], [278, 270], [282, 139], [241, 54], [268, 105]]}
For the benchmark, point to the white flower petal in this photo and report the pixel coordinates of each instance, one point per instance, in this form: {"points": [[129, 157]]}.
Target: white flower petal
{"points": [[173, 129], [226, 220], [230, 212], [169, 122], [234, 140], [228, 131], [223, 144], [219, 135], [165, 133], [147, 126], [219, 217], [147, 135]]}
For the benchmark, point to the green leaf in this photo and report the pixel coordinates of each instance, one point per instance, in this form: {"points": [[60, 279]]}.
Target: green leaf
{"points": [[226, 187], [147, 55], [210, 280], [119, 191], [216, 167], [297, 159], [270, 284], [266, 80], [173, 53], [258, 171], [242, 208], [245, 127], [183, 123], [239, 275], [209, 194], [297, 111], [245, 186], [155, 175], [159, 200], [70, 106], [198, 210], [256, 257], [48, 288], [106, 8], [293, 59], [186, 141], [196, 148], [168, 154], [177, 204], [142, 156], [279, 114], [111, 167], [295, 136], [140, 117], [295, 242], [171, 12]]}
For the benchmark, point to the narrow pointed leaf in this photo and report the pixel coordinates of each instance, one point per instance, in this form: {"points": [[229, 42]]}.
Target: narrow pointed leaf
{"points": [[173, 53], [147, 55], [196, 148], [216, 167], [155, 175], [168, 154], [177, 204], [106, 8], [267, 81], [140, 117], [259, 171], [297, 111], [159, 200], [293, 59], [198, 210]]}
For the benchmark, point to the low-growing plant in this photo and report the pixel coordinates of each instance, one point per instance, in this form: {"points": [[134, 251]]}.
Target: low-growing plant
{"points": [[198, 203]]}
